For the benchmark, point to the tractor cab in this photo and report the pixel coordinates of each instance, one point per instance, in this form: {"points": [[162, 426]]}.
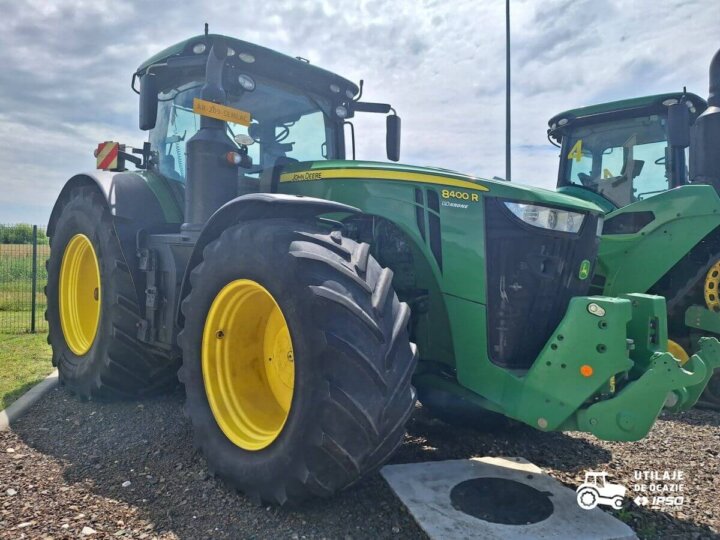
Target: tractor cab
{"points": [[615, 154], [277, 110]]}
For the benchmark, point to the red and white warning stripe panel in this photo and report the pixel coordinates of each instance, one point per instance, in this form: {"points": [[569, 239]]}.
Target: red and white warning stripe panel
{"points": [[107, 154]]}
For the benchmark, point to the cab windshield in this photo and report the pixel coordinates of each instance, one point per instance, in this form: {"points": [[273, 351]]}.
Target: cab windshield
{"points": [[622, 160], [286, 126]]}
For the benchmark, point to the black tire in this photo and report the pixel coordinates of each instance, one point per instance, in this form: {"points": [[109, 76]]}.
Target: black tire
{"points": [[117, 364], [458, 412], [352, 357], [683, 286]]}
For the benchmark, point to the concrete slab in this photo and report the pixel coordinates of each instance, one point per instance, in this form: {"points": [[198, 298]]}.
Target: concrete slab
{"points": [[24, 402], [425, 488]]}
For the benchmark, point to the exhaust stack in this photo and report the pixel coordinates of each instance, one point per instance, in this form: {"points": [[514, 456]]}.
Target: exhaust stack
{"points": [[705, 135], [210, 181]]}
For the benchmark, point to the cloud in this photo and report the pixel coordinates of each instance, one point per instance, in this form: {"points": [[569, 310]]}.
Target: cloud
{"points": [[65, 70]]}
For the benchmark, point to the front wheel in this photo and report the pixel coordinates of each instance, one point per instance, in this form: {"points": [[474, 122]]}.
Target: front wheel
{"points": [[297, 361]]}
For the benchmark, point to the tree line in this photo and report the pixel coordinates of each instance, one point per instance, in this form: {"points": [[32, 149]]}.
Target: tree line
{"points": [[21, 233]]}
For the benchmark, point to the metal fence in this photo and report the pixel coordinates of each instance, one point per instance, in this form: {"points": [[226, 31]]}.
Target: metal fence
{"points": [[23, 252]]}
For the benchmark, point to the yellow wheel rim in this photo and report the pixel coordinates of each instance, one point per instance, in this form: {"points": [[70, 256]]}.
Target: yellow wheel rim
{"points": [[247, 364], [80, 296], [712, 287], [678, 352]]}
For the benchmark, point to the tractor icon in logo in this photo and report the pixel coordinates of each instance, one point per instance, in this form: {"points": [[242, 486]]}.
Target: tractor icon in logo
{"points": [[597, 490]]}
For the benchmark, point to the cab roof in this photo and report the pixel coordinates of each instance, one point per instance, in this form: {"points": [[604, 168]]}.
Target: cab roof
{"points": [[627, 107], [287, 66]]}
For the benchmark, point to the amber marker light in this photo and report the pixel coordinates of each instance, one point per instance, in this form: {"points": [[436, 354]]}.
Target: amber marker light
{"points": [[586, 370]]}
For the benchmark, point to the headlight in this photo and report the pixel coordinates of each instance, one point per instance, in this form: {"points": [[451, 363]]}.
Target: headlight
{"points": [[547, 218]]}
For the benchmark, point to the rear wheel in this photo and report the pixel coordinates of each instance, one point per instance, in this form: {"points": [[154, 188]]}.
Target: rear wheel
{"points": [[296, 360], [678, 351], [711, 396], [93, 310], [695, 280]]}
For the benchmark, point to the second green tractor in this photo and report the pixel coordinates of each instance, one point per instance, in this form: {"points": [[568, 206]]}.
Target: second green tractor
{"points": [[653, 164]]}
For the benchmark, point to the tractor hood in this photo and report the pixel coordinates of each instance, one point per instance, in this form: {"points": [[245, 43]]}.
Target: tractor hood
{"points": [[347, 169]]}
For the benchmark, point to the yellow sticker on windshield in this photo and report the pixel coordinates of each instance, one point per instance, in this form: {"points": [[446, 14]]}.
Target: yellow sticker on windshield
{"points": [[576, 151], [221, 112]]}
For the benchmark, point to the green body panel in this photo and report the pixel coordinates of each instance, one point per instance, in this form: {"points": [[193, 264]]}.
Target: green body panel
{"points": [[462, 228], [169, 202], [635, 262], [701, 318], [553, 394], [588, 195], [445, 178]]}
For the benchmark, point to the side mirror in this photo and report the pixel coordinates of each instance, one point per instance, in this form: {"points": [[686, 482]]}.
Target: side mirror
{"points": [[678, 125], [392, 137], [148, 101]]}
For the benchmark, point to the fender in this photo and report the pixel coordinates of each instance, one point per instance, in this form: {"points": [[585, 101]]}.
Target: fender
{"points": [[250, 207], [137, 201]]}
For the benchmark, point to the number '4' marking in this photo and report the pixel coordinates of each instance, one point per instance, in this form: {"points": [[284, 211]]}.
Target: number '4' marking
{"points": [[576, 151]]}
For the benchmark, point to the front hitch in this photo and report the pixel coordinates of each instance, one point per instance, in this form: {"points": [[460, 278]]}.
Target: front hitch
{"points": [[629, 415], [702, 364], [606, 371]]}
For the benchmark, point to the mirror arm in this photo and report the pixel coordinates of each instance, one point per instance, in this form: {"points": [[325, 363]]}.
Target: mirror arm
{"points": [[366, 106], [352, 135]]}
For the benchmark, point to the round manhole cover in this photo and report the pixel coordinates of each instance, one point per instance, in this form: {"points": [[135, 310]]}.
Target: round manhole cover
{"points": [[498, 500]]}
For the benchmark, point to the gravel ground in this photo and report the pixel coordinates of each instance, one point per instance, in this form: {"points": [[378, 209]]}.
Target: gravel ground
{"points": [[128, 470]]}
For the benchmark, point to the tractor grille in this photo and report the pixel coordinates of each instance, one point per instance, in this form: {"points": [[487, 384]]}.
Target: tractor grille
{"points": [[531, 275]]}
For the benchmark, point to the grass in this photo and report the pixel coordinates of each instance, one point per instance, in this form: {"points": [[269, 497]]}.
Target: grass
{"points": [[24, 357], [16, 287], [25, 360]]}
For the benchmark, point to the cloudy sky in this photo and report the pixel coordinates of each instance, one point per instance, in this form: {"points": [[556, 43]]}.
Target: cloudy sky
{"points": [[65, 68]]}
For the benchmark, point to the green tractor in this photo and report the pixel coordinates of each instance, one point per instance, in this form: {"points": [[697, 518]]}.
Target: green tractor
{"points": [[304, 296], [653, 165]]}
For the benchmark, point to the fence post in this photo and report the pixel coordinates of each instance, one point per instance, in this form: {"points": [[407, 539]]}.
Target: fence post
{"points": [[34, 280]]}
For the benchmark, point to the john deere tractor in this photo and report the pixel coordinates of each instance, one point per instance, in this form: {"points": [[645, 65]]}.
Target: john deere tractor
{"points": [[662, 224], [304, 296]]}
